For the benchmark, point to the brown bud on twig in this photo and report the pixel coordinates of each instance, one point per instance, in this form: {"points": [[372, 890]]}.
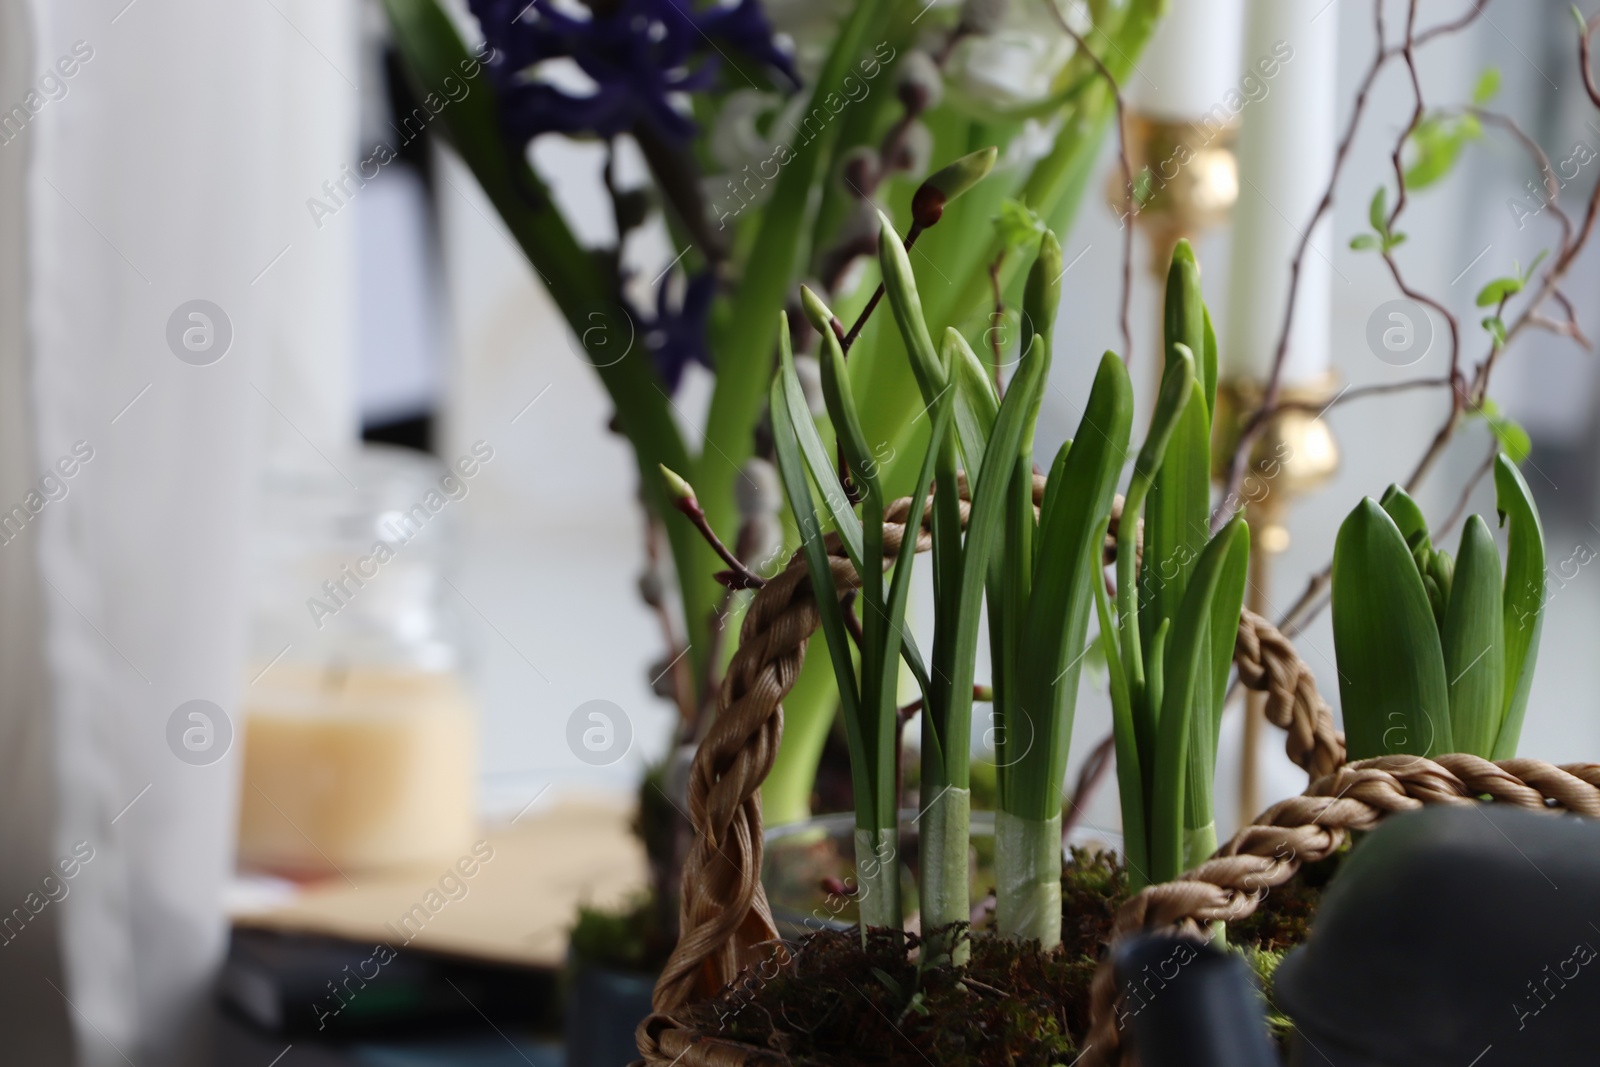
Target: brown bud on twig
{"points": [[943, 186], [651, 590]]}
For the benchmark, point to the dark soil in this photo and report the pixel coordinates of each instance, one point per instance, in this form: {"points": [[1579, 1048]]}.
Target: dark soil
{"points": [[837, 1003]]}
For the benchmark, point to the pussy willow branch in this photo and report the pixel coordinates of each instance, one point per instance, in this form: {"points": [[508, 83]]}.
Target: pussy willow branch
{"points": [[1127, 174], [1361, 392]]}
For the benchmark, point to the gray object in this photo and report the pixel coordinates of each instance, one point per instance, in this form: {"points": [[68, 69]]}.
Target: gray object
{"points": [[1454, 936]]}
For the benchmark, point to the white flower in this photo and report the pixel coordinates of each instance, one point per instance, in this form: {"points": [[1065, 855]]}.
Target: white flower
{"points": [[1019, 62]]}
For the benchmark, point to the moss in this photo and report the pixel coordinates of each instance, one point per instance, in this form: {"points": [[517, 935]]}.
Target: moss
{"points": [[629, 938], [1009, 1005], [1264, 962], [838, 1004]]}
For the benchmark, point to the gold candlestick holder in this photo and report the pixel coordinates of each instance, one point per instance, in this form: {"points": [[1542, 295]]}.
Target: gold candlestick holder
{"points": [[1186, 180], [1295, 453]]}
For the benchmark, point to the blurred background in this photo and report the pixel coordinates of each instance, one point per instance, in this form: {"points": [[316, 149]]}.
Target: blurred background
{"points": [[317, 548]]}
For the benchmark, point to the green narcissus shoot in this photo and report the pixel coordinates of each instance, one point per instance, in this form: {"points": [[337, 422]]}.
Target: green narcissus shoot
{"points": [[1169, 643], [867, 694], [1435, 653], [1167, 630]]}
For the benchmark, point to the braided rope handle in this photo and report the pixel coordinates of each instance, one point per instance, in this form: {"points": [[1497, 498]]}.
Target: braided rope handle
{"points": [[724, 913]]}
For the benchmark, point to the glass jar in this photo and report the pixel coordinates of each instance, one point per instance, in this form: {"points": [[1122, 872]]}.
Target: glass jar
{"points": [[360, 736]]}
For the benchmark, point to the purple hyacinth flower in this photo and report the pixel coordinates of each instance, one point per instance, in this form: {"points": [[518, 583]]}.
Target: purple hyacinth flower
{"points": [[639, 54], [677, 337]]}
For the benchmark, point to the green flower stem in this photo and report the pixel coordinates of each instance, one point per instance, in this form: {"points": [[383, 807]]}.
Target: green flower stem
{"points": [[877, 878], [1198, 845], [946, 893], [1028, 878]]}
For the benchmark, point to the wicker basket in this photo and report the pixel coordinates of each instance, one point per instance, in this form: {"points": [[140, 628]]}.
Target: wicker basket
{"points": [[725, 919]]}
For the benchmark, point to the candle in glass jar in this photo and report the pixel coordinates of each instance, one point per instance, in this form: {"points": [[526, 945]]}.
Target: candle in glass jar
{"points": [[1286, 148], [352, 769], [1191, 62]]}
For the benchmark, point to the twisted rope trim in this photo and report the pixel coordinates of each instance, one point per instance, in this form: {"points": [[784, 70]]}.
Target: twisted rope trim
{"points": [[724, 913]]}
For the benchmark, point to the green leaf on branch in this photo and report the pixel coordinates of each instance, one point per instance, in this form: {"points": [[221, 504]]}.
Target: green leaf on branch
{"points": [[1487, 87], [1513, 438], [1363, 241], [1496, 328], [1378, 210], [1499, 289], [1018, 225]]}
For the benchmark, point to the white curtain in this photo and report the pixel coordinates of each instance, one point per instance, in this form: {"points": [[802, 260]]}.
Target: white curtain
{"points": [[162, 154]]}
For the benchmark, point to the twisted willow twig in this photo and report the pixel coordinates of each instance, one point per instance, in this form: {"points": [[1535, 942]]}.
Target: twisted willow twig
{"points": [[724, 913]]}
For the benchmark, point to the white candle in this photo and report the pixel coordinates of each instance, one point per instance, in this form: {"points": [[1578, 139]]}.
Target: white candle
{"points": [[1191, 62], [1286, 149]]}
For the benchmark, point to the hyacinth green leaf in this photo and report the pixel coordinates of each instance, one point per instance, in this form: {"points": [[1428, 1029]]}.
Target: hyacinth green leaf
{"points": [[1407, 516], [1473, 640], [984, 527], [976, 403], [1186, 674], [1392, 682], [1442, 569], [1522, 600], [1056, 623]]}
